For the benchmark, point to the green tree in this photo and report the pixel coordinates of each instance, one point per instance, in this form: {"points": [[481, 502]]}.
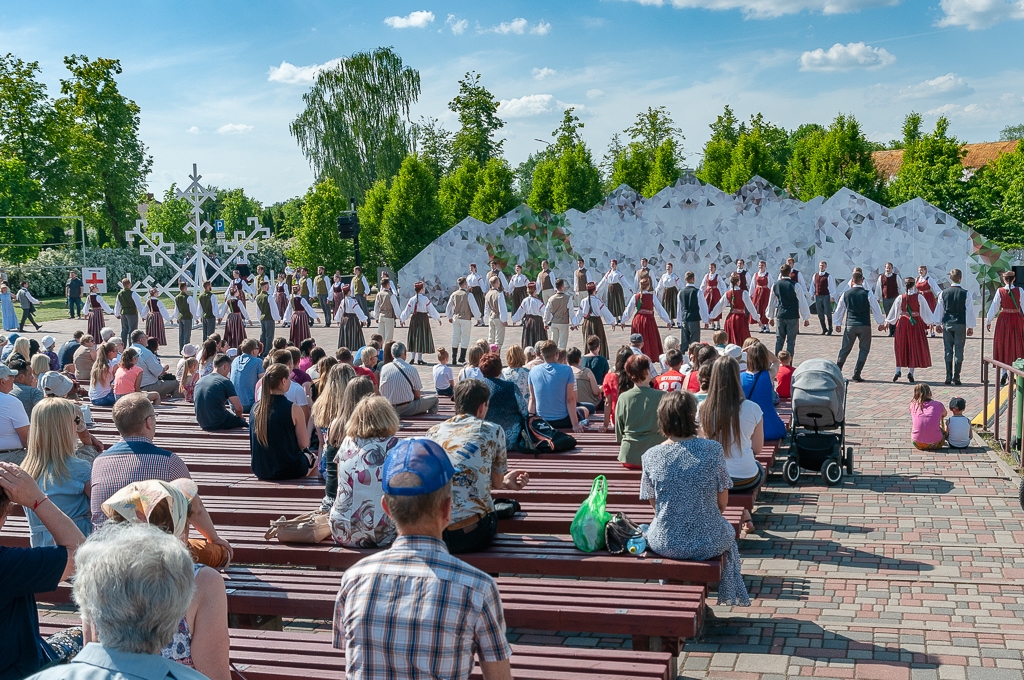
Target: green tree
{"points": [[412, 217], [524, 174], [169, 217], [751, 156], [237, 208], [494, 195], [434, 145], [19, 195], [738, 151], [354, 129], [542, 196], [1011, 132], [477, 110], [996, 193], [932, 169], [632, 167], [633, 163], [664, 169], [316, 241], [577, 181], [285, 217], [725, 132], [824, 161], [371, 214], [653, 127], [456, 191], [567, 134]]}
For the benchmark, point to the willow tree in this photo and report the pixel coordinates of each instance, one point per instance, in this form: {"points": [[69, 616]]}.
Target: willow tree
{"points": [[355, 128]]}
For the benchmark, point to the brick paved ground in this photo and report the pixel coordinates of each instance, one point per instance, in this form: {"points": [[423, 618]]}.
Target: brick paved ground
{"points": [[913, 568]]}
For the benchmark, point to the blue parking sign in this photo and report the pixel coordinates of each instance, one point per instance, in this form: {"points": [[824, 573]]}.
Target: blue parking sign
{"points": [[218, 226]]}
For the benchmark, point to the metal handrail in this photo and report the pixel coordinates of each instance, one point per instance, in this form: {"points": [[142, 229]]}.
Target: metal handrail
{"points": [[1008, 444]]}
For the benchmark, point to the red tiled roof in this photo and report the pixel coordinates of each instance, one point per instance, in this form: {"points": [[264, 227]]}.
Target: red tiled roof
{"points": [[888, 163]]}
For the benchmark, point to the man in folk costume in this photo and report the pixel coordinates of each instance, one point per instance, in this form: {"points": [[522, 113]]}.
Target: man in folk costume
{"points": [[545, 282], [786, 306], [95, 306], [350, 318], [236, 319], [475, 282], [691, 313], [887, 289], [517, 287], [740, 305], [644, 270], [824, 296], [496, 272], [241, 285], [668, 290], [418, 312], [461, 311], [797, 277], [385, 310], [911, 316], [929, 289], [261, 276], [557, 311], [155, 314], [360, 288], [322, 285], [209, 309], [268, 317], [531, 313], [496, 312], [299, 315], [955, 311], [640, 311], [711, 287], [762, 285], [856, 306], [127, 307], [593, 314], [281, 290], [615, 288], [580, 278], [1008, 340]]}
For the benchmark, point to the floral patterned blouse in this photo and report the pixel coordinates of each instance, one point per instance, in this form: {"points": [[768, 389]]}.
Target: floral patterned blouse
{"points": [[520, 377], [357, 520]]}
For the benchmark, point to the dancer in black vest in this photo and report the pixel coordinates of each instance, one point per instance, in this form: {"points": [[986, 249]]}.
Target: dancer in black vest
{"points": [[692, 311], [824, 296], [955, 309], [786, 306], [887, 289], [857, 305]]}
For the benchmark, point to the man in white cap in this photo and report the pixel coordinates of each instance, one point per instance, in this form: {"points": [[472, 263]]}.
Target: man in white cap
{"points": [[13, 421]]}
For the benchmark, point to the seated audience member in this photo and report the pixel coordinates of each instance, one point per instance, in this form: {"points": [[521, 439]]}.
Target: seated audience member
{"points": [[531, 356], [702, 354], [295, 393], [66, 353], [189, 379], [83, 359], [101, 376], [386, 357], [636, 343], [687, 483], [367, 362], [246, 370], [151, 368], [24, 389], [40, 365], [417, 588], [471, 371], [357, 520], [773, 360], [588, 390], [212, 397], [594, 360], [927, 415], [720, 339], [735, 423], [757, 386], [958, 426], [202, 640], [358, 388], [189, 351], [59, 386], [47, 350], [507, 407], [672, 379], [553, 391], [516, 372], [298, 375], [305, 361], [704, 377], [20, 346], [319, 384], [784, 378], [636, 413], [316, 356], [476, 449], [610, 386], [134, 586], [443, 374], [277, 431], [671, 342], [329, 404], [25, 572], [14, 423], [128, 377], [400, 384], [135, 459]]}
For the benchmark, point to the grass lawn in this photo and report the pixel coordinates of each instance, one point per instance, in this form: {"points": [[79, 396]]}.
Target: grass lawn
{"points": [[49, 309]]}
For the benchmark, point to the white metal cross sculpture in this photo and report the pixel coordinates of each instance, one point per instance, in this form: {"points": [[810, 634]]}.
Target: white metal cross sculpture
{"points": [[193, 271]]}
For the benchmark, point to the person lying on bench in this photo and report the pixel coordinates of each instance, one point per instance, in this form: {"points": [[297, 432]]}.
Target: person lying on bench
{"points": [[413, 609]]}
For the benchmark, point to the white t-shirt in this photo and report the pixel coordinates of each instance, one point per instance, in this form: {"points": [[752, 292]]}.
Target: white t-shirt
{"points": [[739, 457], [295, 393], [959, 436], [12, 416], [442, 376]]}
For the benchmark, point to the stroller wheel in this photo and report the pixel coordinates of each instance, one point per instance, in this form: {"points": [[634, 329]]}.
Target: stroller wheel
{"points": [[832, 472], [849, 460], [791, 472]]}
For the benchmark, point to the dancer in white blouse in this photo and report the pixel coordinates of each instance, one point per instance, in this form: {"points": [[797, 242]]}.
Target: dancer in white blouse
{"points": [[298, 316], [668, 291], [580, 278], [385, 309], [929, 289], [593, 314], [615, 288], [350, 317], [531, 313], [517, 287], [418, 312], [155, 314], [641, 272], [712, 287], [737, 324], [477, 284]]}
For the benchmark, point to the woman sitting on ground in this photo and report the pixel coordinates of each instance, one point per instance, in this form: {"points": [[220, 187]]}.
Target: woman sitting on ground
{"points": [[687, 483], [128, 377], [507, 407], [927, 415], [516, 371], [737, 424], [277, 431], [757, 387], [101, 378], [636, 417], [357, 389]]}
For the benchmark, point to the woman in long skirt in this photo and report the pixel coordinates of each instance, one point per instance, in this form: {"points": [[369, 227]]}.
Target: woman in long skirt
{"points": [[518, 283], [10, 317], [1008, 340], [737, 325], [281, 295], [642, 308], [418, 312], [593, 314], [762, 291], [668, 286], [234, 326], [912, 316], [531, 312], [298, 314], [94, 316], [156, 314], [710, 286], [350, 318]]}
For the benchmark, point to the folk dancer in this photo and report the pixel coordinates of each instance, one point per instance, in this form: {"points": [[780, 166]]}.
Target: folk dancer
{"points": [[517, 287], [334, 294], [928, 287], [350, 318], [360, 287], [385, 310], [797, 277], [210, 309], [461, 311], [668, 290], [615, 288], [581, 277], [640, 312], [593, 314], [496, 272], [127, 306], [261, 276], [887, 289], [281, 289], [557, 312], [268, 317], [737, 324], [912, 316], [856, 306], [692, 312], [289, 275], [476, 289], [241, 285], [418, 312], [322, 284], [298, 316], [955, 311], [644, 270], [711, 288], [744, 275], [531, 313], [545, 282], [496, 312], [155, 314], [94, 316], [824, 296], [762, 291], [236, 319], [786, 306], [1008, 340]]}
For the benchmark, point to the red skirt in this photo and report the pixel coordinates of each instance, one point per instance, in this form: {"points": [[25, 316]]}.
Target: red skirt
{"points": [[95, 324], [930, 298], [154, 328], [911, 344], [737, 327], [712, 296], [299, 330], [645, 325], [760, 300], [1008, 340], [282, 303], [234, 330]]}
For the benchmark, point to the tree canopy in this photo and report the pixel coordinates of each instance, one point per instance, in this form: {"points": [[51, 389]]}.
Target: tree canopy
{"points": [[477, 111], [316, 240]]}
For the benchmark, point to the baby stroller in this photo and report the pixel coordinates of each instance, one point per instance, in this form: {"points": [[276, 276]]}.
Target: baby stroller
{"points": [[819, 408]]}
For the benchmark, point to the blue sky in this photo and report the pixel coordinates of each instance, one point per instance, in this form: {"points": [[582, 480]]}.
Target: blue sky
{"points": [[219, 82]]}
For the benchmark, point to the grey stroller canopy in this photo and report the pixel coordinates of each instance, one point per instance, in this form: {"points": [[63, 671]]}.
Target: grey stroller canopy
{"points": [[819, 394]]}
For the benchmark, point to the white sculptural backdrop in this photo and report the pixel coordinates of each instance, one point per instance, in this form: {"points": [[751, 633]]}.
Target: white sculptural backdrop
{"points": [[194, 269], [693, 224]]}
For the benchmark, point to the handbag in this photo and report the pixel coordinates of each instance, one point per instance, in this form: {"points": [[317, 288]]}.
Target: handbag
{"points": [[619, 530], [311, 527]]}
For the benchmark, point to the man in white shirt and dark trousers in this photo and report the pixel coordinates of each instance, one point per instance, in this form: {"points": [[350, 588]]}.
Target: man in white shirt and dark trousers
{"points": [[400, 384], [955, 309], [28, 307], [857, 305], [692, 311]]}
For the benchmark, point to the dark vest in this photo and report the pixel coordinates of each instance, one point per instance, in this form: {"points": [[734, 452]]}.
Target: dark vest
{"points": [[785, 295], [128, 307], [544, 280], [821, 283], [181, 304], [206, 304], [890, 287], [954, 305], [263, 304], [691, 306], [858, 307], [357, 285]]}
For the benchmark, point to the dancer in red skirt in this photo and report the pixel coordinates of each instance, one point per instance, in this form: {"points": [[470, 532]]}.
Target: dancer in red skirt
{"points": [[711, 287], [762, 291], [912, 316], [1008, 341], [281, 295], [929, 289], [155, 314], [96, 305], [736, 324], [641, 309], [298, 314], [234, 326]]}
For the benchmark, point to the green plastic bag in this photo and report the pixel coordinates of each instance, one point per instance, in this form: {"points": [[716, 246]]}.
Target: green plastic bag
{"points": [[587, 528]]}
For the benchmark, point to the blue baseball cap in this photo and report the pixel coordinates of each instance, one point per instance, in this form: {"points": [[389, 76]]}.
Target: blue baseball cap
{"points": [[423, 458]]}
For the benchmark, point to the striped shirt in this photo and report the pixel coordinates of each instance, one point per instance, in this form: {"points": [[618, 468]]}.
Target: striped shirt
{"points": [[134, 459], [415, 612], [397, 382]]}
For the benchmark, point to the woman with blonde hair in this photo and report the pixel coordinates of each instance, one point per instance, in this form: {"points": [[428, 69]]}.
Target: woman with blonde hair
{"points": [[327, 407], [23, 348], [357, 389], [278, 437], [52, 463], [40, 366], [101, 377], [189, 378], [357, 520], [516, 372]]}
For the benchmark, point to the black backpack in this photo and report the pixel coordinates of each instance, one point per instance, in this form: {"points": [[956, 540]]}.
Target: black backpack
{"points": [[539, 437]]}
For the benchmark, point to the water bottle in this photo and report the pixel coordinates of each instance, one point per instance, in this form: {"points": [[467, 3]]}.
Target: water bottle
{"points": [[636, 545]]}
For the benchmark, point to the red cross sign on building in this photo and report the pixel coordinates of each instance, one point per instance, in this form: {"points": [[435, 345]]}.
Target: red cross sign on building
{"points": [[95, 276]]}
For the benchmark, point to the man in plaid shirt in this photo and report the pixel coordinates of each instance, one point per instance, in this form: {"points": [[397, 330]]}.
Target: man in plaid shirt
{"points": [[414, 611]]}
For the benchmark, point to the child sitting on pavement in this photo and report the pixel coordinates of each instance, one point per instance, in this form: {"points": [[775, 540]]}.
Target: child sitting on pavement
{"points": [[958, 426]]}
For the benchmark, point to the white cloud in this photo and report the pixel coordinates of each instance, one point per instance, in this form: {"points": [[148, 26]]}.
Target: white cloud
{"points": [[290, 73], [524, 107], [517, 26], [976, 14], [595, 93], [542, 73], [193, 130], [419, 19], [764, 9], [845, 57], [542, 28], [948, 85], [458, 26], [234, 129]]}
